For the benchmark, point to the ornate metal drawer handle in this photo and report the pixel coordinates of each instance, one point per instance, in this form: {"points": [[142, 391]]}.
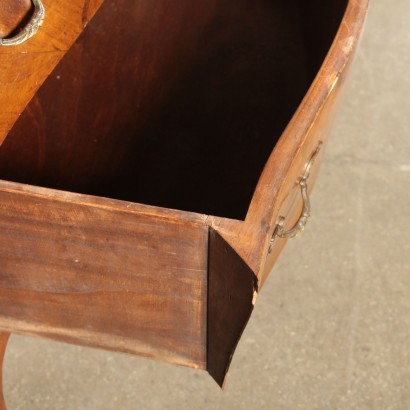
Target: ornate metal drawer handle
{"points": [[305, 215], [30, 29], [303, 219]]}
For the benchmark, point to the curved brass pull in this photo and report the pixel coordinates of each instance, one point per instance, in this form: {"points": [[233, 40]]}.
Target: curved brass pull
{"points": [[305, 215], [303, 219], [30, 29]]}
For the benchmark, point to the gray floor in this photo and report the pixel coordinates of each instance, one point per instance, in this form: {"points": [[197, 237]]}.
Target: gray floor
{"points": [[331, 329]]}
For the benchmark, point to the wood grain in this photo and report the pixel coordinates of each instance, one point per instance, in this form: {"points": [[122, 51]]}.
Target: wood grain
{"points": [[154, 101], [132, 277], [12, 14], [231, 296], [103, 277], [286, 164], [36, 58]]}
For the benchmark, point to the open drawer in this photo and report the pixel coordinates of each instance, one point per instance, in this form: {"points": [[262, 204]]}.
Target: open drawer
{"points": [[152, 181]]}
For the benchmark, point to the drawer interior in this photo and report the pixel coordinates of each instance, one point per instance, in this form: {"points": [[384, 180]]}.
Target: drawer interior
{"points": [[172, 103]]}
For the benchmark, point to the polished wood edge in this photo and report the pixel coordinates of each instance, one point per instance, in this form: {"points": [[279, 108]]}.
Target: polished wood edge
{"points": [[127, 347], [4, 338], [251, 238], [232, 291], [315, 101], [102, 203]]}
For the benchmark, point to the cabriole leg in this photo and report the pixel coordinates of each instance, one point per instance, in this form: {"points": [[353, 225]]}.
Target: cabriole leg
{"points": [[4, 337]]}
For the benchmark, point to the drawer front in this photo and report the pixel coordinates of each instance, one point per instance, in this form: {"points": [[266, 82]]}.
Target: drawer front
{"points": [[278, 197], [294, 210]]}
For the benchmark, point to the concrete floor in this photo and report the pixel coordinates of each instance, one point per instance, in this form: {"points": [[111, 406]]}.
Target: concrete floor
{"points": [[331, 329]]}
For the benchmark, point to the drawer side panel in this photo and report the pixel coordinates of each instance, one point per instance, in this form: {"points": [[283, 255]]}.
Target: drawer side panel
{"points": [[103, 277]]}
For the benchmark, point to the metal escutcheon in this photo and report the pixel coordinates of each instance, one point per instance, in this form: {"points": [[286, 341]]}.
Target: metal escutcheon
{"points": [[305, 215], [30, 29]]}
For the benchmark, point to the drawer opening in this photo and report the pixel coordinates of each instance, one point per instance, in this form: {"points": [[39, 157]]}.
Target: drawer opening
{"points": [[173, 104]]}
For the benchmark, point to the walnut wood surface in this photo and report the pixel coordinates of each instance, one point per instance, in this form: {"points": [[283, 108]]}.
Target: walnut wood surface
{"points": [[36, 58], [191, 98], [12, 14], [131, 277], [103, 277], [4, 338]]}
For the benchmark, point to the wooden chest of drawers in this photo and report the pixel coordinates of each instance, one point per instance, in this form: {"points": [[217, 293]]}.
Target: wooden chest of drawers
{"points": [[151, 182]]}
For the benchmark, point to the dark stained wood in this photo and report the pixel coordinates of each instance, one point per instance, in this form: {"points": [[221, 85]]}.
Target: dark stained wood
{"points": [[231, 297], [317, 29], [191, 97], [103, 277], [12, 14], [4, 338], [184, 107]]}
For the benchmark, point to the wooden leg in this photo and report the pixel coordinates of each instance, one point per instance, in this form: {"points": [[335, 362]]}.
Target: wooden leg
{"points": [[4, 337]]}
